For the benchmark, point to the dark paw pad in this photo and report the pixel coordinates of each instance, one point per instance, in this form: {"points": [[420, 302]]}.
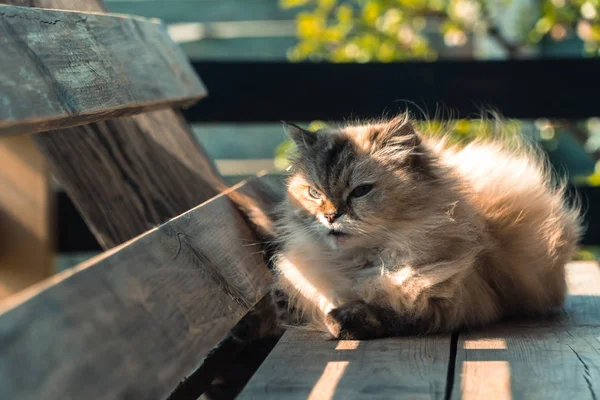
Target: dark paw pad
{"points": [[353, 321]]}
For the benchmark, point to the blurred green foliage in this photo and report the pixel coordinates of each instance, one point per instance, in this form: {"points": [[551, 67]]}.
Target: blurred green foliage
{"points": [[588, 253], [393, 30]]}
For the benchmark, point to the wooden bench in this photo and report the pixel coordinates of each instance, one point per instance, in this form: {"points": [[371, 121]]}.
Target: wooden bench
{"points": [[71, 72], [151, 317]]}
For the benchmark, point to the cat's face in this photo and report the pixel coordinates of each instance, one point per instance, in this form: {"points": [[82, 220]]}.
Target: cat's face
{"points": [[352, 185]]}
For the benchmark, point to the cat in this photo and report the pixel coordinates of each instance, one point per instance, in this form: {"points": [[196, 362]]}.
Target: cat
{"points": [[385, 231]]}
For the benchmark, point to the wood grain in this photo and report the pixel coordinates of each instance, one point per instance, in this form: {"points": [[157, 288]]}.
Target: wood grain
{"points": [[136, 320], [305, 365], [26, 211], [555, 358], [62, 68], [230, 365], [129, 174]]}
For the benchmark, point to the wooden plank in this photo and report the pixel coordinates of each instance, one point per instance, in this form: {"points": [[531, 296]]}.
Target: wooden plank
{"points": [[460, 86], [193, 31], [133, 322], [305, 365], [243, 49], [129, 174], [247, 166], [62, 68], [86, 6], [240, 141], [556, 358], [26, 211], [203, 10]]}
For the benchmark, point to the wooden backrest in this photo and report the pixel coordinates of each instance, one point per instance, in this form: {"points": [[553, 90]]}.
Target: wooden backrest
{"points": [[124, 175], [135, 321]]}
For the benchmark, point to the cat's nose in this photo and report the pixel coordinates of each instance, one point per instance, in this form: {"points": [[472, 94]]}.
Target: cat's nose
{"points": [[331, 216]]}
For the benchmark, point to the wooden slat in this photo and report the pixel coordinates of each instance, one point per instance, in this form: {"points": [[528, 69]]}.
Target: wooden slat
{"points": [[247, 166], [172, 11], [133, 322], [272, 49], [240, 141], [61, 69], [129, 174], [305, 365], [26, 211], [557, 358], [85, 6]]}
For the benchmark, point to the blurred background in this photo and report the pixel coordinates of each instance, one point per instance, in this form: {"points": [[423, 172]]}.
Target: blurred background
{"points": [[266, 60]]}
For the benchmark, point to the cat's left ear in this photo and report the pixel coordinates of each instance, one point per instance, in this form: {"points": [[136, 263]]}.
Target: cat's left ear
{"points": [[398, 132], [302, 137], [399, 139]]}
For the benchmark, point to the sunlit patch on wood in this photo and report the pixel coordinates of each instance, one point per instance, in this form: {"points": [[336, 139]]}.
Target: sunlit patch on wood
{"points": [[579, 279], [485, 344], [347, 345], [325, 387], [497, 388]]}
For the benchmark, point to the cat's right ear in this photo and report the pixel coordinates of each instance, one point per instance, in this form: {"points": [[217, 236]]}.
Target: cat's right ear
{"points": [[302, 137]]}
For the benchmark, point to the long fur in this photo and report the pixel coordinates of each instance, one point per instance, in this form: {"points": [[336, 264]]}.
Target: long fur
{"points": [[449, 236]]}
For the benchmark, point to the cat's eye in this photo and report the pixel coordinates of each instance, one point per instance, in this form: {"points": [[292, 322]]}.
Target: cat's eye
{"points": [[312, 192], [361, 190]]}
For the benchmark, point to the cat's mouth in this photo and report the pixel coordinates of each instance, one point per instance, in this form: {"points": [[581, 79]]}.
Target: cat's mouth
{"points": [[338, 234]]}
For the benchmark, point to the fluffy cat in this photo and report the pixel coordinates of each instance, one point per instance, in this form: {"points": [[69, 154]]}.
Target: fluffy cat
{"points": [[388, 232]]}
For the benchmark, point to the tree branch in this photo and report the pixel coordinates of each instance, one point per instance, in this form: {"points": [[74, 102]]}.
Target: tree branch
{"points": [[512, 49], [578, 132]]}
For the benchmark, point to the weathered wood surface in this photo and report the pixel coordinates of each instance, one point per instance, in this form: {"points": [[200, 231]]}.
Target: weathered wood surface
{"points": [[136, 320], [558, 358], [62, 68], [305, 365], [152, 155], [553, 358], [26, 211], [129, 175]]}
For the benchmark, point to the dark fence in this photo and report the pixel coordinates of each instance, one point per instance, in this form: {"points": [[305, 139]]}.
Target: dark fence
{"points": [[245, 92], [263, 92]]}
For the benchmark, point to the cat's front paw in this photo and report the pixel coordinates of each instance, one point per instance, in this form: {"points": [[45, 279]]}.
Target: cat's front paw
{"points": [[353, 321]]}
